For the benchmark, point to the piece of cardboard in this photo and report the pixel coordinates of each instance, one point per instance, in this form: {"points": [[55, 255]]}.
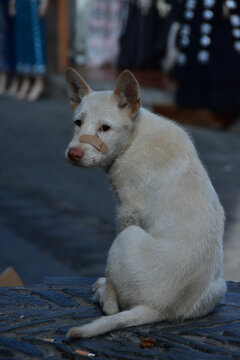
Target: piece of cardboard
{"points": [[9, 277]]}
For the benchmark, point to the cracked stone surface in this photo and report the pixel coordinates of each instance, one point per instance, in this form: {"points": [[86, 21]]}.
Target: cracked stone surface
{"points": [[29, 316]]}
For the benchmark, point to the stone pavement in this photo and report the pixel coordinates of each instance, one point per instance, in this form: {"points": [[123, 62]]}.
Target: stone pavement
{"points": [[59, 220], [34, 322]]}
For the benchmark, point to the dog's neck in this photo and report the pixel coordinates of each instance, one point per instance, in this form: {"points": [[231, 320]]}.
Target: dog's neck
{"points": [[116, 171], [110, 166]]}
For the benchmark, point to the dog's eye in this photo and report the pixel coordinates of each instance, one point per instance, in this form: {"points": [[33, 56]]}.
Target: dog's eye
{"points": [[104, 128], [78, 122]]}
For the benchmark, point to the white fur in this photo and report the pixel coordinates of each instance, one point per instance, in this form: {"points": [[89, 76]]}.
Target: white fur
{"points": [[166, 262]]}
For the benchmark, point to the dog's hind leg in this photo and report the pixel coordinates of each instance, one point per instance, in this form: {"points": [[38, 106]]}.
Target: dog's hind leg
{"points": [[106, 296], [210, 297], [138, 315]]}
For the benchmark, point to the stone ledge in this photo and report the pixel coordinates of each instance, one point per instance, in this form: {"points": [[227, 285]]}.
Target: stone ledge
{"points": [[29, 316]]}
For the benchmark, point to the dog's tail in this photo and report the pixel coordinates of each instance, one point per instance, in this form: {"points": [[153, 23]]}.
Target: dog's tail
{"points": [[138, 315]]}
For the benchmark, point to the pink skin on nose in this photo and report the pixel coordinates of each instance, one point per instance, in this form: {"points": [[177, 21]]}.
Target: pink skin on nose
{"points": [[75, 154]]}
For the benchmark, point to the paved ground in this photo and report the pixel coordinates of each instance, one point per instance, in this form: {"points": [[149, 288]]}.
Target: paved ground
{"points": [[34, 322], [59, 220]]}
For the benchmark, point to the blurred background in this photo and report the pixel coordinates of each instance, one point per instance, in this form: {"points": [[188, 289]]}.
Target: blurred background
{"points": [[57, 220]]}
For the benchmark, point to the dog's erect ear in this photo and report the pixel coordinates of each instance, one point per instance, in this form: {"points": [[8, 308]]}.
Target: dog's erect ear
{"points": [[127, 92], [76, 87]]}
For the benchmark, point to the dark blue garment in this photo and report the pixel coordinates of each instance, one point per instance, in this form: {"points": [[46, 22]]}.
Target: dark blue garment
{"points": [[29, 38], [6, 38], [141, 42], [214, 83]]}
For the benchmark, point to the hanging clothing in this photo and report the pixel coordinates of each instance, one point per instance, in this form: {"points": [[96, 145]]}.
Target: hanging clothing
{"points": [[104, 32], [82, 13], [207, 68], [30, 44], [142, 42], [6, 38]]}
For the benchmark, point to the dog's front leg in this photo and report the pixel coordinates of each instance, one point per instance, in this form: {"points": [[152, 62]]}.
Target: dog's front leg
{"points": [[106, 296]]}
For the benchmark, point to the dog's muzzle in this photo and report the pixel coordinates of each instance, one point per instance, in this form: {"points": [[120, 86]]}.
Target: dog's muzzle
{"points": [[94, 141], [75, 154]]}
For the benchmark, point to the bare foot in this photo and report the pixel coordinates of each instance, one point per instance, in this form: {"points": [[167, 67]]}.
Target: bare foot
{"points": [[36, 90], [14, 86], [24, 88]]}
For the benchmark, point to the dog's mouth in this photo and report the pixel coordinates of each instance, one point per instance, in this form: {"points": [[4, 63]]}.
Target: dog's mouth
{"points": [[82, 163], [74, 162]]}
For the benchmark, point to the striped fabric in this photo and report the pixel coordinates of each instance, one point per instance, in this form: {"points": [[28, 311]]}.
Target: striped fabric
{"points": [[104, 32]]}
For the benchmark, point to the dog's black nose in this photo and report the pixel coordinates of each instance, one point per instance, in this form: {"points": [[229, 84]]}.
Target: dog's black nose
{"points": [[75, 154]]}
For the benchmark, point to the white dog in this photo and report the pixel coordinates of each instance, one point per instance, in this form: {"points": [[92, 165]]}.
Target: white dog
{"points": [[166, 262]]}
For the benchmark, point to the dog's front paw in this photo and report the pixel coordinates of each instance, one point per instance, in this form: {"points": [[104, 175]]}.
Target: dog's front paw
{"points": [[99, 288], [99, 283]]}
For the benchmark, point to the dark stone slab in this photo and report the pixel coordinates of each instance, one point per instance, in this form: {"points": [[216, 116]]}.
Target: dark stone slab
{"points": [[28, 317], [56, 297], [21, 346], [68, 281]]}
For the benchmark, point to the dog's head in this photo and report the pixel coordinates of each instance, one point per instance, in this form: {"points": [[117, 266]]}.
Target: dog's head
{"points": [[103, 120]]}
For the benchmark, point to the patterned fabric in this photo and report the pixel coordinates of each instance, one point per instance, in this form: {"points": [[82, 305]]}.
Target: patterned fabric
{"points": [[6, 38], [207, 68], [104, 32], [81, 28], [29, 38]]}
